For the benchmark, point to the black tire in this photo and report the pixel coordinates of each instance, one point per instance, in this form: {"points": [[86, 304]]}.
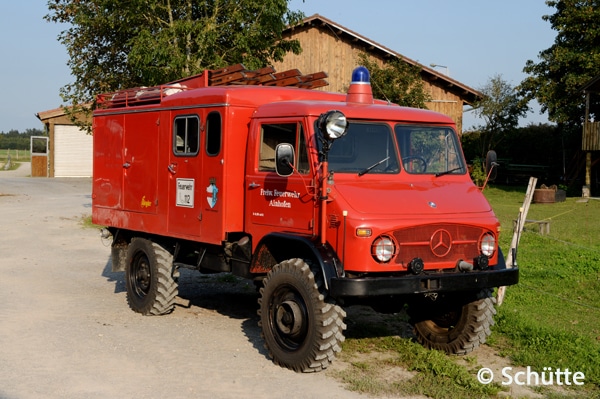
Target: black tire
{"points": [[302, 330], [455, 329], [151, 287]]}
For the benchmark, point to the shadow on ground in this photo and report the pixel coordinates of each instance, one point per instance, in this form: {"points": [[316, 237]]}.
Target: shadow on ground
{"points": [[237, 298]]}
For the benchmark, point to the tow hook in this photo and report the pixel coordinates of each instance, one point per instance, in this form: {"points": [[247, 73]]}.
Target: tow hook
{"points": [[464, 266]]}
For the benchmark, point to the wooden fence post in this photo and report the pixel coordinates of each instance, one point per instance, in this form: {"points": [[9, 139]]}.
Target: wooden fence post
{"points": [[510, 259]]}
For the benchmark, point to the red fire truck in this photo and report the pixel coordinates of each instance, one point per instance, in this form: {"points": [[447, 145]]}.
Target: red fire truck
{"points": [[325, 200]]}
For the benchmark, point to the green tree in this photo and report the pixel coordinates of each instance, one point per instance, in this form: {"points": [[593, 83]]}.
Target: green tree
{"points": [[500, 108], [574, 58], [118, 44], [15, 140], [397, 82]]}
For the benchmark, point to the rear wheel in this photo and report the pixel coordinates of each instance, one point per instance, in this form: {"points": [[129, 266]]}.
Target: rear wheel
{"points": [[454, 328], [151, 287], [302, 330]]}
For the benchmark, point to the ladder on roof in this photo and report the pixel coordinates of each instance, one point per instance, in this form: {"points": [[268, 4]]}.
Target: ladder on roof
{"points": [[231, 75]]}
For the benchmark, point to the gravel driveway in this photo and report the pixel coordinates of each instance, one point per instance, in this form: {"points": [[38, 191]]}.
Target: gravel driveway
{"points": [[66, 330]]}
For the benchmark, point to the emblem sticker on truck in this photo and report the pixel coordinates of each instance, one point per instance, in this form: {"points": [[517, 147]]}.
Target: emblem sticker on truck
{"points": [[185, 193], [212, 191]]}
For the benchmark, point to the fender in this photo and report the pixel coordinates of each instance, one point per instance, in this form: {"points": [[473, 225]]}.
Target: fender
{"points": [[277, 247]]}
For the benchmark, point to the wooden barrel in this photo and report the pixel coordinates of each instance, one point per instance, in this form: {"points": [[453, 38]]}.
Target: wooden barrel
{"points": [[544, 196]]}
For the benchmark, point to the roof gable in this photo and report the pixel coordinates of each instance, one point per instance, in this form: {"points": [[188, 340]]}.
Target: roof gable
{"points": [[468, 94]]}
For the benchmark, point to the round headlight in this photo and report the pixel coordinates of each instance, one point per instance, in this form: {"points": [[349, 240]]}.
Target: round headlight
{"points": [[383, 249], [487, 244], [334, 124]]}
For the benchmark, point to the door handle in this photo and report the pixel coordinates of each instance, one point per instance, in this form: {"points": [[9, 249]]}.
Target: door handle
{"points": [[172, 168], [253, 185], [126, 165]]}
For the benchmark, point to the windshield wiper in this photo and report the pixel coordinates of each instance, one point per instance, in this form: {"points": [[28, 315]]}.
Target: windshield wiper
{"points": [[370, 168], [438, 174]]}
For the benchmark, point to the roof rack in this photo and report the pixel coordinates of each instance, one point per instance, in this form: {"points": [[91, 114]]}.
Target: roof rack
{"points": [[232, 75]]}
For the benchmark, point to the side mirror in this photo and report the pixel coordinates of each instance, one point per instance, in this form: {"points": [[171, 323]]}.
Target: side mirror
{"points": [[491, 165], [284, 159]]}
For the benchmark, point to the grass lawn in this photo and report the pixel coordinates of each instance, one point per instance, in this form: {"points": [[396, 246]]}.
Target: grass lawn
{"points": [[552, 317], [15, 155]]}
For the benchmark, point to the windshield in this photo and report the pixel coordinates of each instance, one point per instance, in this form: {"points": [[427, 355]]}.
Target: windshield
{"points": [[372, 148], [366, 145], [430, 150]]}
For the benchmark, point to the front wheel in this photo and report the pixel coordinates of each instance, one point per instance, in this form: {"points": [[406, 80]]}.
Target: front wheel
{"points": [[455, 326], [302, 330], [151, 285]]}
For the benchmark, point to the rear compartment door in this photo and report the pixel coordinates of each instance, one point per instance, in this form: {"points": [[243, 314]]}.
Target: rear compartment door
{"points": [[108, 162], [140, 162], [184, 170]]}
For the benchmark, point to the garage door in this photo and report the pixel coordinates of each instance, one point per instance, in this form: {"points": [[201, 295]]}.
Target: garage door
{"points": [[72, 152]]}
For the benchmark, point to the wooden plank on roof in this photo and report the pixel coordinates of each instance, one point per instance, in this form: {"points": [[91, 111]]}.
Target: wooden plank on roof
{"points": [[265, 78], [260, 75], [261, 72], [291, 81], [313, 84], [287, 74], [227, 70], [313, 76], [233, 77]]}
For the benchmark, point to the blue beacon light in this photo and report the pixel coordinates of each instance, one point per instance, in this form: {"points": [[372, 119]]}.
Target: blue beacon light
{"points": [[359, 91], [361, 75]]}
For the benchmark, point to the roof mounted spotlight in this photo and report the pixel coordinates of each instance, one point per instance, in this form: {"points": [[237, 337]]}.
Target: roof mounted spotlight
{"points": [[333, 125]]}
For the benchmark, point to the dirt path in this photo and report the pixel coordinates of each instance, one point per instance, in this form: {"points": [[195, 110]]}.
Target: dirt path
{"points": [[66, 330]]}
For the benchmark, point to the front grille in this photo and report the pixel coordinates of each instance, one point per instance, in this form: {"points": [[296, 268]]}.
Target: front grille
{"points": [[437, 244]]}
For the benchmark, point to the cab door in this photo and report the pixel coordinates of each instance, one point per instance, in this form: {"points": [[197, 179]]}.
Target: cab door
{"points": [[184, 170], [277, 203]]}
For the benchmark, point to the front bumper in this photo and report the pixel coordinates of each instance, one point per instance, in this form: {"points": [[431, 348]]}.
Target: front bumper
{"points": [[342, 287]]}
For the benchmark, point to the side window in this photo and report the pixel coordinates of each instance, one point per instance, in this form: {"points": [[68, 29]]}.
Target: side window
{"points": [[186, 135], [274, 134], [213, 134]]}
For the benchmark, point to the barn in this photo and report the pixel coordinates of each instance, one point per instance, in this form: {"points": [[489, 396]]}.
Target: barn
{"points": [[327, 46], [330, 47], [69, 147]]}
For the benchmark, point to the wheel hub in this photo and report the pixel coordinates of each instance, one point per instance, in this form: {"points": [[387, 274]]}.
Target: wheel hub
{"points": [[447, 320], [288, 317], [142, 277]]}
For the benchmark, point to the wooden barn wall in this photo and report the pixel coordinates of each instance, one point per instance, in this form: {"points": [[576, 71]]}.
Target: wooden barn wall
{"points": [[446, 103], [324, 50]]}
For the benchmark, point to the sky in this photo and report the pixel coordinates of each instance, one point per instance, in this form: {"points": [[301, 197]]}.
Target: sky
{"points": [[474, 40]]}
